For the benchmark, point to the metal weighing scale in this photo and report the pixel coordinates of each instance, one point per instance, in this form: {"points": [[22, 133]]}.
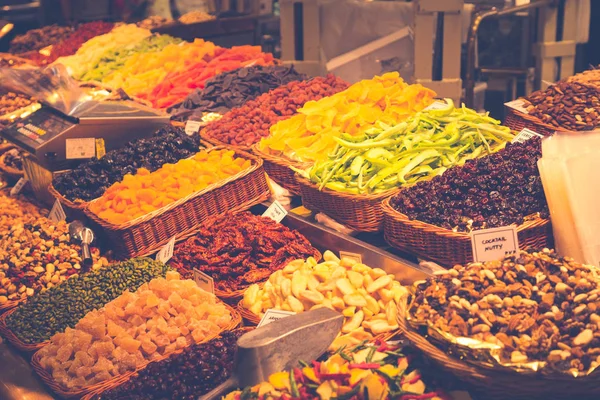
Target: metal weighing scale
{"points": [[44, 132]]}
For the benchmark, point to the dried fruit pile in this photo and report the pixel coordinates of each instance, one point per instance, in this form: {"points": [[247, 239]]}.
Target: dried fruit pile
{"points": [[146, 191], [570, 105], [62, 306], [366, 296], [497, 190], [241, 249], [92, 51], [157, 319], [362, 373], [36, 39], [232, 89], [116, 59], [194, 17], [91, 179], [388, 156], [537, 306], [249, 123], [153, 22], [35, 253], [10, 102], [184, 376], [182, 81], [13, 159]]}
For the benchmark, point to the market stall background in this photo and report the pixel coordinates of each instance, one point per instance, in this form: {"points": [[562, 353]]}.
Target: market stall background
{"points": [[353, 188]]}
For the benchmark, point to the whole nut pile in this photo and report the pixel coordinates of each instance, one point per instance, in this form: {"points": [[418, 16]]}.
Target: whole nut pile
{"points": [[537, 306], [35, 253], [194, 17], [589, 77], [569, 105], [64, 305], [10, 102]]}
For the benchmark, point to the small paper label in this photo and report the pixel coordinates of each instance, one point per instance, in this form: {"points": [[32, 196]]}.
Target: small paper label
{"points": [[494, 243], [204, 281], [352, 256], [192, 127], [166, 252], [57, 213], [525, 135], [100, 148], [272, 315], [275, 211], [436, 105], [518, 104], [80, 148], [18, 187]]}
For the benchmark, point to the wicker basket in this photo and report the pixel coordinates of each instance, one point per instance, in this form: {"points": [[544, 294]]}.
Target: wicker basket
{"points": [[11, 173], [278, 169], [249, 317], [500, 384], [183, 217], [446, 247], [14, 339], [517, 120], [119, 379], [76, 206], [361, 212], [95, 395]]}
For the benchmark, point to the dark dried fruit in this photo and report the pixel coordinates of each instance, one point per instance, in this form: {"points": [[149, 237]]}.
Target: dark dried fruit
{"points": [[36, 39], [188, 375], [232, 89], [91, 179], [13, 159], [497, 190]]}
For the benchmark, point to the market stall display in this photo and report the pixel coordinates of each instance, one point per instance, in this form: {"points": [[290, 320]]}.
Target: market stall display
{"points": [[186, 375], [238, 250], [154, 22], [91, 179], [246, 125], [232, 89], [35, 253], [36, 39], [379, 371], [367, 297], [157, 319], [194, 17], [434, 218], [527, 323], [64, 304]]}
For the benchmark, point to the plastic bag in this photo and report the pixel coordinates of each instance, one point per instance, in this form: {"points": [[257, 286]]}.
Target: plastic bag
{"points": [[52, 86]]}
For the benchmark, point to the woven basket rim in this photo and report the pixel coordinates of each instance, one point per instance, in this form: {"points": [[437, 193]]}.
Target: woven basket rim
{"points": [[397, 216], [247, 314], [236, 319], [351, 196], [256, 163], [279, 160], [78, 204], [537, 121]]}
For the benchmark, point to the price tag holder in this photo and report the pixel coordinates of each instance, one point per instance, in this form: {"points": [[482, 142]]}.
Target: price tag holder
{"points": [[100, 148], [525, 135], [192, 127], [166, 252], [272, 315], [352, 256], [494, 243], [275, 211], [15, 190], [204, 281], [80, 148], [57, 213], [436, 105]]}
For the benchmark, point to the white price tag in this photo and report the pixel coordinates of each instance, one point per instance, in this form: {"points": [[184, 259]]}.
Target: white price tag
{"points": [[436, 105], [525, 135], [272, 315], [18, 186], [204, 281], [57, 213], [192, 127], [80, 148], [166, 252], [494, 243], [518, 104], [275, 211], [352, 256]]}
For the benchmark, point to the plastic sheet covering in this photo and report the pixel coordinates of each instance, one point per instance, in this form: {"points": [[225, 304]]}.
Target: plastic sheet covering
{"points": [[52, 86]]}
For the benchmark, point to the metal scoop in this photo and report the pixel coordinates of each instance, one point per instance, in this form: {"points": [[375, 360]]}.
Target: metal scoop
{"points": [[83, 236], [280, 346]]}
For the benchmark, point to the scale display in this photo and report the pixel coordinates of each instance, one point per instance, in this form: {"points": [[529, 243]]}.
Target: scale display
{"points": [[38, 128]]}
